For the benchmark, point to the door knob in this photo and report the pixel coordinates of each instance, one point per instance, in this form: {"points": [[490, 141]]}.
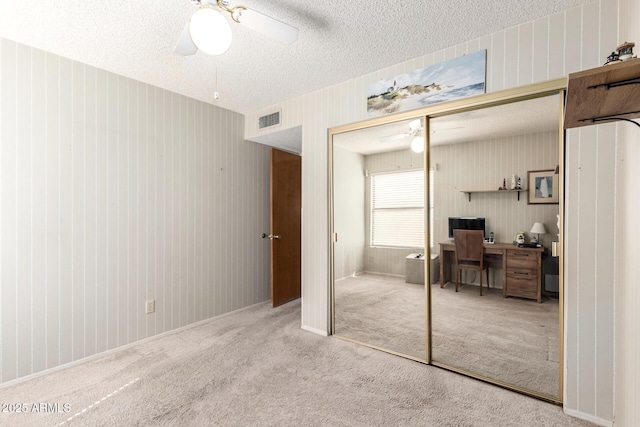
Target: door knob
{"points": [[270, 236]]}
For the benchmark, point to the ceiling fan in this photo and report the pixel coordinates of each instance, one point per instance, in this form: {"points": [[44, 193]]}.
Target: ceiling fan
{"points": [[209, 31], [415, 132]]}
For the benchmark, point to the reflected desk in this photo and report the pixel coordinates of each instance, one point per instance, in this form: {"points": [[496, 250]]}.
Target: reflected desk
{"points": [[521, 267]]}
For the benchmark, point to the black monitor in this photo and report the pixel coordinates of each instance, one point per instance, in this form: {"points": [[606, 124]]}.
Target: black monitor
{"points": [[465, 223]]}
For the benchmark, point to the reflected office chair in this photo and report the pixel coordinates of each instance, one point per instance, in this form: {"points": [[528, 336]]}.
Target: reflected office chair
{"points": [[470, 253]]}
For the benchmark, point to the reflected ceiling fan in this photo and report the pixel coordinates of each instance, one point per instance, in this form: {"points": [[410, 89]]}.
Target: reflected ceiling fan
{"points": [[209, 31], [415, 132]]}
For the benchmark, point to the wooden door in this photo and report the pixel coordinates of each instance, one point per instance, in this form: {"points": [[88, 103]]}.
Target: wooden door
{"points": [[286, 204]]}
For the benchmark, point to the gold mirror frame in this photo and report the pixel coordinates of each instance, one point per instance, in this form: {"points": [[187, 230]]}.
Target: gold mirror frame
{"points": [[551, 87]]}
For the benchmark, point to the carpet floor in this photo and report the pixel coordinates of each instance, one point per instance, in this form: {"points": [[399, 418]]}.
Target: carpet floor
{"points": [[512, 340], [383, 311], [258, 368]]}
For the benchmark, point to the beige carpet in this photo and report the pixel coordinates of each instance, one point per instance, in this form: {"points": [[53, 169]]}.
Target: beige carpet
{"points": [[509, 339], [258, 368], [383, 311]]}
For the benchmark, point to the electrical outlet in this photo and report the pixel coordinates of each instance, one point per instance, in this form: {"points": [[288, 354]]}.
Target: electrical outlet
{"points": [[150, 306]]}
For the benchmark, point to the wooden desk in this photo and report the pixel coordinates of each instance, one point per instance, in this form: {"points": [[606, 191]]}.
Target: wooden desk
{"points": [[521, 267]]}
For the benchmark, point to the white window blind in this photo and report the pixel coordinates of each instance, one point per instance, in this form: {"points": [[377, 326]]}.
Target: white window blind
{"points": [[397, 209]]}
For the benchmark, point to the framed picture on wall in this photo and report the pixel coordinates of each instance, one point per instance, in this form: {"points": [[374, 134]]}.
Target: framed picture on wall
{"points": [[453, 79], [543, 187]]}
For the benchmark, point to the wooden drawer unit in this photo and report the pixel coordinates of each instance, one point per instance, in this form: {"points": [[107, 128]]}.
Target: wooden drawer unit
{"points": [[522, 259], [523, 274], [520, 267], [522, 287]]}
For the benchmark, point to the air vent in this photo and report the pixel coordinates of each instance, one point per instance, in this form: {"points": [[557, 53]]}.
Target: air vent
{"points": [[269, 120]]}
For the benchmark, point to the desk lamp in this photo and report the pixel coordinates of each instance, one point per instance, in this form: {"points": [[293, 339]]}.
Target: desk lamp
{"points": [[538, 228]]}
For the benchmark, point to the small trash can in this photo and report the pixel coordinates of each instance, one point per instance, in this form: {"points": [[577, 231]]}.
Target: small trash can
{"points": [[414, 269]]}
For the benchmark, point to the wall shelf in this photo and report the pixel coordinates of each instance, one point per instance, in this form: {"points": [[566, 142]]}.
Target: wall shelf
{"points": [[603, 94], [468, 192]]}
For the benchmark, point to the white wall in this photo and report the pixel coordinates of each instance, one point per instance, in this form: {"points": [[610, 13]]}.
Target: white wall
{"points": [[547, 48], [627, 248], [627, 291], [590, 280], [348, 204], [479, 164], [113, 192], [484, 164]]}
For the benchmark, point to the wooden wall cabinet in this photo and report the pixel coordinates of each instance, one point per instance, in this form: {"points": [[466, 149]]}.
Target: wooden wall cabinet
{"points": [[603, 94]]}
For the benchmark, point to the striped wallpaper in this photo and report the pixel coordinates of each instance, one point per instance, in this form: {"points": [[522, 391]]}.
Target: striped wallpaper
{"points": [[349, 208], [547, 48], [483, 165], [473, 165], [114, 192], [627, 248]]}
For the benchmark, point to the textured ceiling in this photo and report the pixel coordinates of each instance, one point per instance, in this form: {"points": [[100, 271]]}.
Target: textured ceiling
{"points": [[338, 40]]}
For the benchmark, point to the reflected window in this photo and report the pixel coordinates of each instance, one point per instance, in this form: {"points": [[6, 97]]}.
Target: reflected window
{"points": [[397, 209]]}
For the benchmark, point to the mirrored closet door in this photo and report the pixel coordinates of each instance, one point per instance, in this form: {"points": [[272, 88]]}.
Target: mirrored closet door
{"points": [[378, 214], [493, 167], [496, 169]]}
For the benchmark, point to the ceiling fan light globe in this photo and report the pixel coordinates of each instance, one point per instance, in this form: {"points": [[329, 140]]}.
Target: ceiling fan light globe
{"points": [[210, 31], [417, 144]]}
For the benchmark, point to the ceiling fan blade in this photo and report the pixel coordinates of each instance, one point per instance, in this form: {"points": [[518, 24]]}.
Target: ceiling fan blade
{"points": [[446, 129], [185, 45], [268, 26], [391, 138], [415, 124]]}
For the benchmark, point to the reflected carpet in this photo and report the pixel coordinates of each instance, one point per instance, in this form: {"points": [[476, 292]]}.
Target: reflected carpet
{"points": [[508, 339]]}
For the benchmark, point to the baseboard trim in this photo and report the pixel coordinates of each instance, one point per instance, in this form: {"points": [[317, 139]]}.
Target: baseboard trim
{"points": [[588, 417], [356, 274], [315, 331], [383, 274], [124, 347]]}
